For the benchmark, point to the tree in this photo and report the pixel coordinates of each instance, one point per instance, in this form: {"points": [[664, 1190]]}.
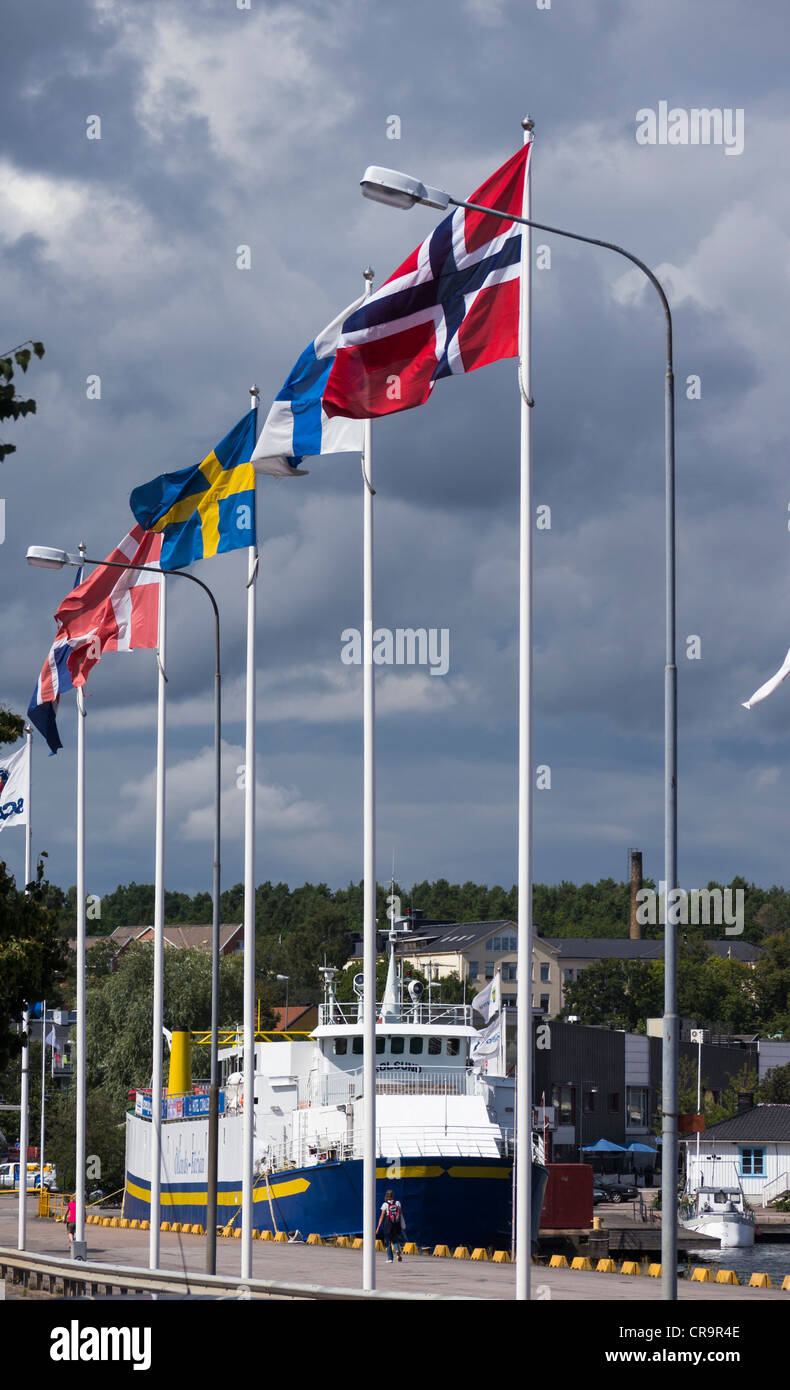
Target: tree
{"points": [[774, 1089], [624, 993], [105, 1140], [11, 405], [12, 726], [32, 956]]}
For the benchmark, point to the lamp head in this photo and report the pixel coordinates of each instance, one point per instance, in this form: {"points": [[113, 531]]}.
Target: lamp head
{"points": [[46, 557], [400, 190]]}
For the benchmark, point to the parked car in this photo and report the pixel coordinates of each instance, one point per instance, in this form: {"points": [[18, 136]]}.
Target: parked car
{"points": [[599, 1195], [9, 1175], [616, 1191]]}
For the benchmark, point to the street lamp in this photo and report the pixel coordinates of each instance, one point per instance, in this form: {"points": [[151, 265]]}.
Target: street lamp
{"points": [[402, 191], [47, 557]]}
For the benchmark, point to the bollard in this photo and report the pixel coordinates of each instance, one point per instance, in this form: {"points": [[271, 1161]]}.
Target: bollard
{"points": [[654, 1271], [726, 1276], [630, 1267], [606, 1267], [481, 1254], [760, 1281], [701, 1275], [443, 1251], [581, 1262], [460, 1253], [501, 1257], [558, 1262]]}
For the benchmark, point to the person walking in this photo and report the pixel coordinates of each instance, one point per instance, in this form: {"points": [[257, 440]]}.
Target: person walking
{"points": [[71, 1219], [392, 1225]]}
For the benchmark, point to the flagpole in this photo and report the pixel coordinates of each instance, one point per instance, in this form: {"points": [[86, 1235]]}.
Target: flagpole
{"points": [[43, 1083], [78, 1247], [524, 1039], [29, 825], [247, 1207], [155, 1163], [369, 870], [23, 1137]]}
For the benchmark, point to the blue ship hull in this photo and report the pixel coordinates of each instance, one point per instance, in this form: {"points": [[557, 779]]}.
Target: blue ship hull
{"points": [[446, 1201]]}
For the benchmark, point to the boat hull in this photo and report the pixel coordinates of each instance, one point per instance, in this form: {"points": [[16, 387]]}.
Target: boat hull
{"points": [[447, 1200], [733, 1233]]}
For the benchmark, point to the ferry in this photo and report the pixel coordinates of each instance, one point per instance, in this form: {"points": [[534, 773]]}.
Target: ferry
{"points": [[444, 1128]]}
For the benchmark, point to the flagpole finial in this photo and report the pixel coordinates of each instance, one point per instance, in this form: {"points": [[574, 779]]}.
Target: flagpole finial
{"points": [[368, 272], [255, 392], [527, 123]]}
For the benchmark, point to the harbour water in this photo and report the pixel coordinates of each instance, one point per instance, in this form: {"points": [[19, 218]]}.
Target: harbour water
{"points": [[765, 1258]]}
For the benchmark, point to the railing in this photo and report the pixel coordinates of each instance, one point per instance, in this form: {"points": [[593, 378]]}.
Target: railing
{"points": [[451, 1015], [777, 1187], [412, 1081]]}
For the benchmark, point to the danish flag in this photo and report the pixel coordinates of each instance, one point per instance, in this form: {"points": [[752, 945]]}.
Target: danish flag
{"points": [[453, 306], [111, 611]]}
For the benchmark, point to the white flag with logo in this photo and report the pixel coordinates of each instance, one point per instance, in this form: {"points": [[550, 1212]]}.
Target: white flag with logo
{"points": [[487, 1043], [14, 776], [487, 1002]]}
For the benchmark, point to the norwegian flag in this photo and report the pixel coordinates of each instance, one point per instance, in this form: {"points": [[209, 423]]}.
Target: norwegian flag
{"points": [[453, 306], [111, 611]]}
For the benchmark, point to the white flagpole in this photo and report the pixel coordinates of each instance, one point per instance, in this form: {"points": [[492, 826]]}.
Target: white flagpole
{"points": [[79, 1173], [23, 1138], [369, 871], [524, 1057], [29, 825], [155, 1161], [247, 1209], [43, 1098]]}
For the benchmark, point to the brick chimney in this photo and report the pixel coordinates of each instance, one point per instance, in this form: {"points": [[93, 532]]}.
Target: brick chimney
{"points": [[635, 928]]}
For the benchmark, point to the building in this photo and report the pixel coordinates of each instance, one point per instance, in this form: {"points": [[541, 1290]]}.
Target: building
{"points": [[752, 1149], [231, 939]]}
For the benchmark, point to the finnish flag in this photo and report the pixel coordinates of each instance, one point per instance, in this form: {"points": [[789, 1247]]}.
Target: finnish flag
{"points": [[296, 425]]}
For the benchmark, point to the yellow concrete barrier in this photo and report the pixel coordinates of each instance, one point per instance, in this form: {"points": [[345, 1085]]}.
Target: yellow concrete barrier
{"points": [[606, 1267], [114, 1221], [267, 1235], [786, 1282], [380, 1245], [443, 1251], [236, 1233], [479, 1254], [581, 1262], [176, 1226], [313, 1239], [281, 1237], [163, 1225], [630, 1267], [654, 1271], [134, 1225], [558, 1262], [701, 1276], [726, 1276], [460, 1253], [197, 1229], [410, 1248], [760, 1281], [501, 1257], [145, 1225], [357, 1243], [343, 1243]]}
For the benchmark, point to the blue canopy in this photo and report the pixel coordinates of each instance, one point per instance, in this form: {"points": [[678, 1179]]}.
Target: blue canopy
{"points": [[642, 1148], [603, 1146]]}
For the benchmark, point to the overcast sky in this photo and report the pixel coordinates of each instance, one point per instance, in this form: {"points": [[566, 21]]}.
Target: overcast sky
{"points": [[225, 126]]}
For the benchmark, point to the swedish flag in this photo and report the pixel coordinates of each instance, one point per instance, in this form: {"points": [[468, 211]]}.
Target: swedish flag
{"points": [[207, 509]]}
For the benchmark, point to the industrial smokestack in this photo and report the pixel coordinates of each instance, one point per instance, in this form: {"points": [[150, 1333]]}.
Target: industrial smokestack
{"points": [[635, 928]]}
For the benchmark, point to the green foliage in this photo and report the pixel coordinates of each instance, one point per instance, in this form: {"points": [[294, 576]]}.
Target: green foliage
{"points": [[623, 993], [12, 726], [12, 406], [32, 956], [120, 1007], [774, 1089], [105, 1140]]}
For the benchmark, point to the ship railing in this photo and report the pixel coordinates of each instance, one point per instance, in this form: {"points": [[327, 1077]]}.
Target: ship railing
{"points": [[436, 1141], [338, 1090], [451, 1015]]}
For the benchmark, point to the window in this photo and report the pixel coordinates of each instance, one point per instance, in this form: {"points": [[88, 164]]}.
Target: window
{"points": [[474, 967], [380, 1045], [396, 1045], [497, 946], [453, 1047], [752, 1163], [509, 970], [562, 1099], [415, 1046], [568, 977], [341, 1045], [356, 1046], [589, 1101], [434, 1046], [545, 1003], [544, 973], [613, 1102], [637, 1100], [489, 970]]}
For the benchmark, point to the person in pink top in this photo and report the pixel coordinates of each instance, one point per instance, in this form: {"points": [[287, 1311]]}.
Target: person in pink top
{"points": [[71, 1219]]}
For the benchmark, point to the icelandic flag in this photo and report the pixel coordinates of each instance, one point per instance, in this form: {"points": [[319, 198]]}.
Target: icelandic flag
{"points": [[111, 611], [453, 306], [207, 509], [297, 424]]}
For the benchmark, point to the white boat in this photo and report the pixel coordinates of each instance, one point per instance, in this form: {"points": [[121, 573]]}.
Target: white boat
{"points": [[720, 1212], [444, 1128]]}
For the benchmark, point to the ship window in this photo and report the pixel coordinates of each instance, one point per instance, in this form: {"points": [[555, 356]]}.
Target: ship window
{"points": [[380, 1045], [396, 1044], [453, 1046], [341, 1046], [356, 1045], [434, 1046], [415, 1045]]}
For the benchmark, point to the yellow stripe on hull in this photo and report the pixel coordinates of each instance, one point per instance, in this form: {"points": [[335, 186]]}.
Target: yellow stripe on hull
{"points": [[292, 1188]]}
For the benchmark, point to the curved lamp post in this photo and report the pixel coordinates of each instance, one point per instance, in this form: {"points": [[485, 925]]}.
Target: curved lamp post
{"points": [[46, 557], [402, 191]]}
